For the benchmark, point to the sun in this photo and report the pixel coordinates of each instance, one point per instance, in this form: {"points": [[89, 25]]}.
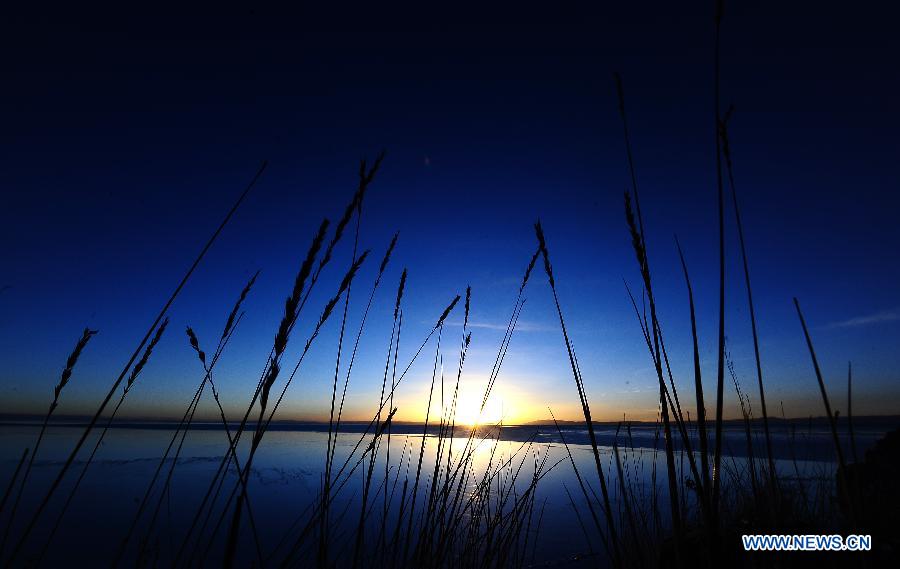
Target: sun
{"points": [[469, 411]]}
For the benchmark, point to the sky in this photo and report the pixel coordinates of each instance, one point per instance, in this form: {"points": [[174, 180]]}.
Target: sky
{"points": [[127, 136]]}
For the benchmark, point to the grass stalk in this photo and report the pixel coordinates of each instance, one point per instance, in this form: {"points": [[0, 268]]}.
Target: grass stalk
{"points": [[208, 369], [86, 335], [849, 414], [12, 481], [698, 380], [640, 250], [131, 379], [281, 340], [360, 539], [657, 349], [726, 152], [587, 499], [115, 386], [188, 416], [218, 480], [412, 508], [316, 514], [365, 178], [585, 406], [720, 350], [832, 423]]}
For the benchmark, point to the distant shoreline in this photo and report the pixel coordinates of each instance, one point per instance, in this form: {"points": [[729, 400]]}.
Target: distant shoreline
{"points": [[808, 438], [26, 420]]}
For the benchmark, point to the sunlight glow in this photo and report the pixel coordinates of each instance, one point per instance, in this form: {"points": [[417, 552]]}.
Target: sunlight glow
{"points": [[468, 409]]}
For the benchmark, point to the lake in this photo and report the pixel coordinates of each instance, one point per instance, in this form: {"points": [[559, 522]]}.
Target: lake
{"points": [[288, 472]]}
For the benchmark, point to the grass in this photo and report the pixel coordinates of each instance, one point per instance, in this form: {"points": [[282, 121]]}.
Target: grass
{"points": [[456, 511], [12, 481], [82, 342], [582, 396], [465, 509], [135, 372], [720, 365], [231, 324], [726, 153], [93, 421], [832, 420]]}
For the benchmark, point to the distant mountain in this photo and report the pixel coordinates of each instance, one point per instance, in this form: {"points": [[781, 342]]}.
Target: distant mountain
{"points": [[858, 422]]}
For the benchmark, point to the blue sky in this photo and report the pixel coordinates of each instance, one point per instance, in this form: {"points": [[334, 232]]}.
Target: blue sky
{"points": [[125, 144]]}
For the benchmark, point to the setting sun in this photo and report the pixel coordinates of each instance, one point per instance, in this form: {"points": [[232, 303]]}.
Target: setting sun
{"points": [[469, 412]]}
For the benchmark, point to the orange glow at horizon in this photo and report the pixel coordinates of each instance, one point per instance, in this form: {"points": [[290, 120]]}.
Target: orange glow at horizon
{"points": [[504, 405]]}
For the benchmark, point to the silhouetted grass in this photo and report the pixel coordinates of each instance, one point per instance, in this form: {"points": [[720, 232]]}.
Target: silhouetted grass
{"points": [[184, 424], [656, 346], [726, 152], [12, 481], [86, 335], [698, 379], [854, 454], [217, 482], [454, 514], [720, 352], [457, 513], [281, 340], [585, 405], [87, 431], [135, 372], [832, 422], [365, 178]]}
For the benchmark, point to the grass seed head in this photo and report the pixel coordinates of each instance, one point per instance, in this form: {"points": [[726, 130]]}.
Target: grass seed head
{"points": [[468, 300], [339, 229], [636, 242], [446, 312], [542, 245], [143, 361], [372, 171], [400, 288], [387, 256], [271, 376], [196, 345], [234, 311], [528, 269], [306, 267], [86, 335], [292, 302], [345, 284], [351, 274]]}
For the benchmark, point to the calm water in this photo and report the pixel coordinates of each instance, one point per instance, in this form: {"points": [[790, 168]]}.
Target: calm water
{"points": [[287, 476]]}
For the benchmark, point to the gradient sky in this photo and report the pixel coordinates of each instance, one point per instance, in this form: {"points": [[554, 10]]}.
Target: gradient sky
{"points": [[127, 136]]}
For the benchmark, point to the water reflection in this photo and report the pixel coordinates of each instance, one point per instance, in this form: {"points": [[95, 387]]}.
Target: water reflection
{"points": [[287, 478]]}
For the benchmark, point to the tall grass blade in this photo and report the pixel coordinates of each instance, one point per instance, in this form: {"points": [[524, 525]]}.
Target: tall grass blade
{"points": [[585, 406], [849, 413], [698, 380], [131, 379], [87, 431], [720, 351], [726, 152], [832, 422], [86, 335], [12, 481]]}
